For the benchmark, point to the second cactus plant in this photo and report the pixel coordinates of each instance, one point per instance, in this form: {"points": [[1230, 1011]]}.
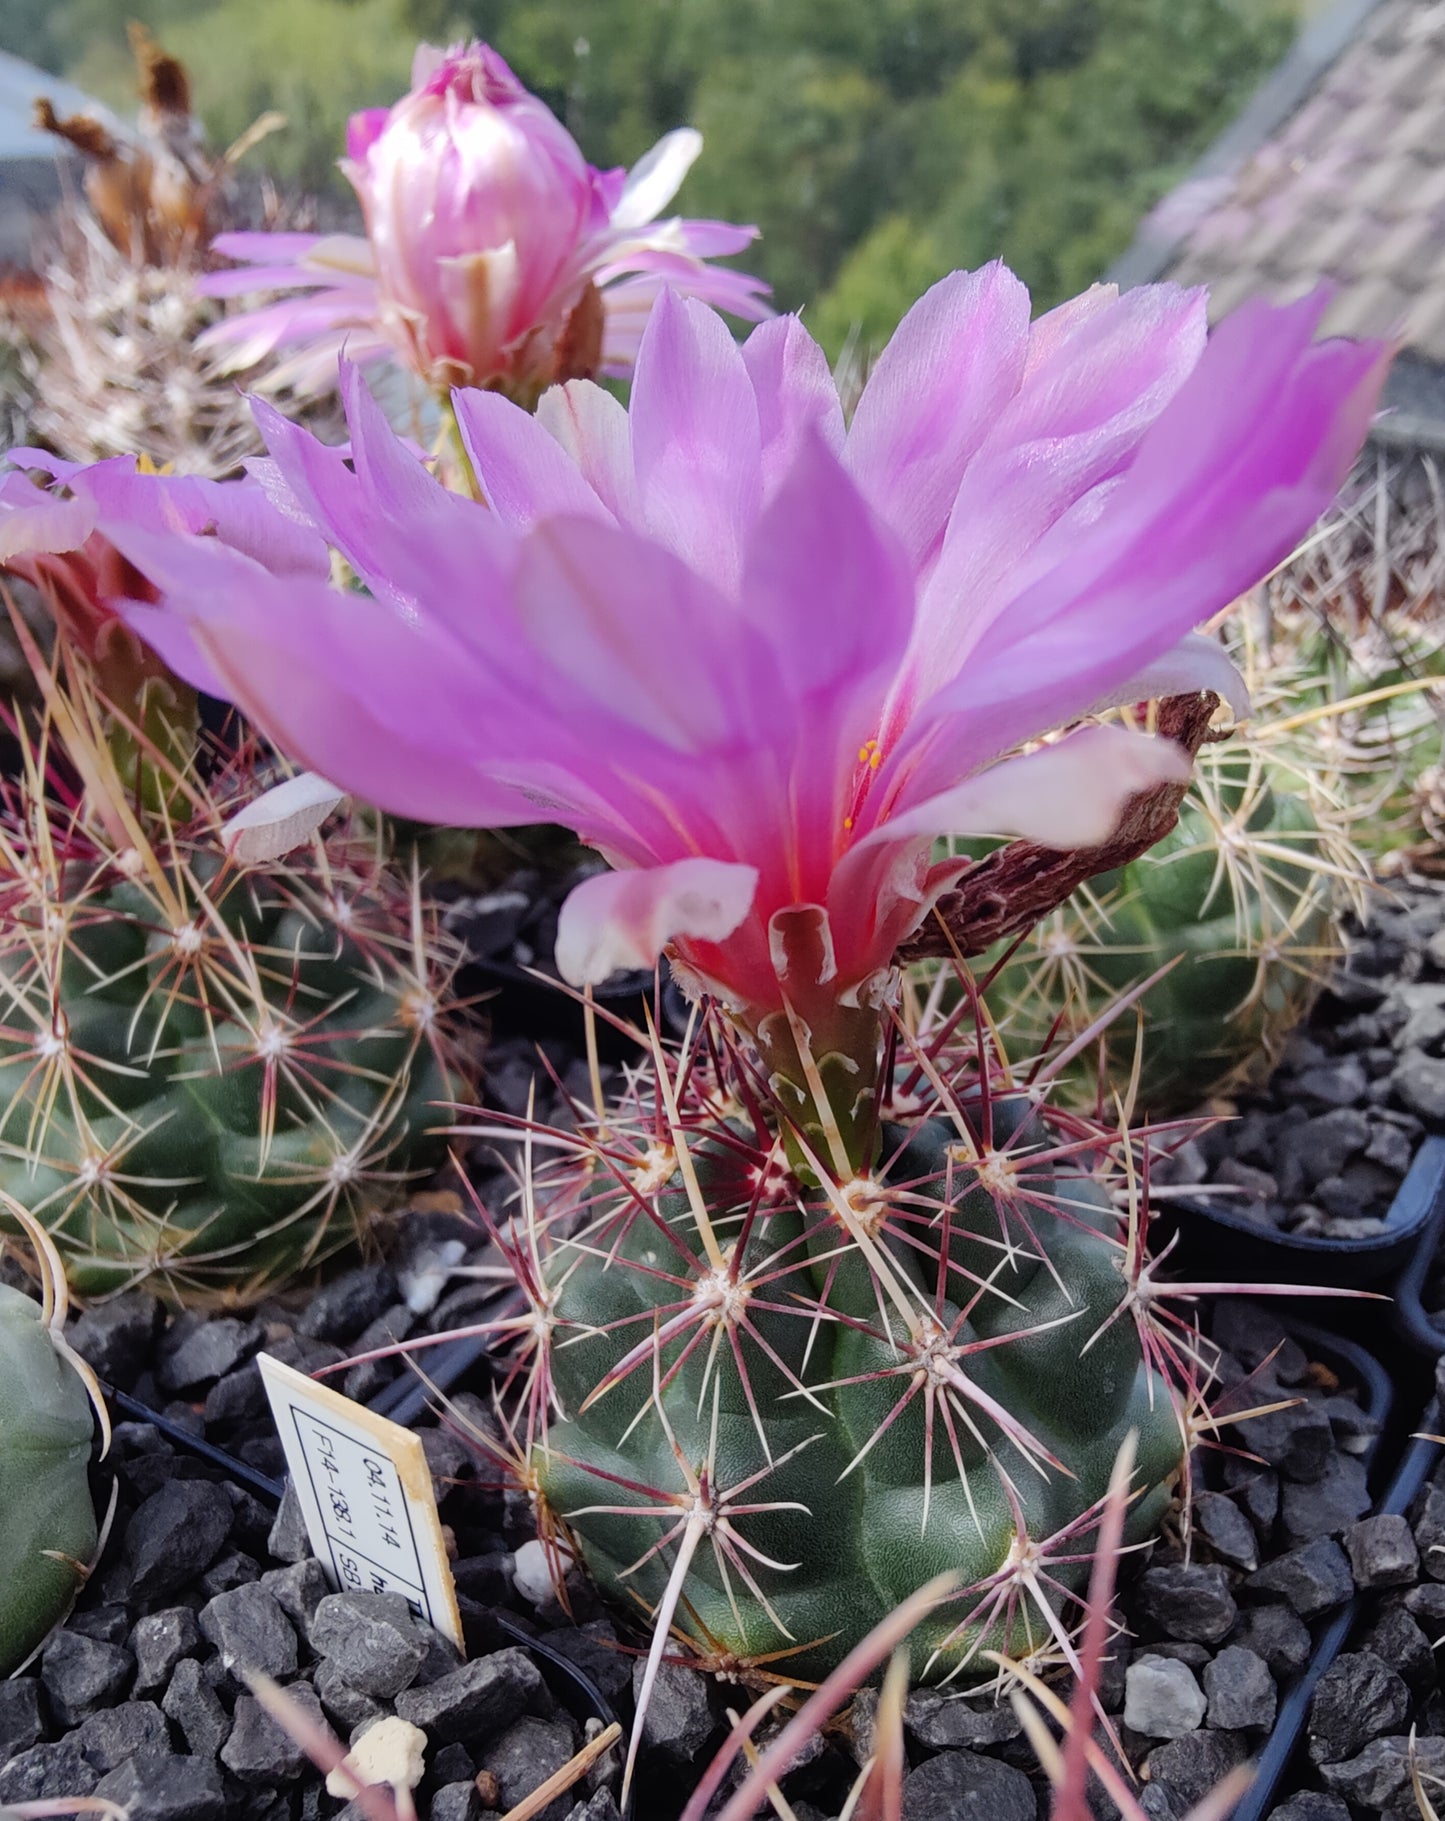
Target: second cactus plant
{"points": [[47, 1425], [211, 1075], [1238, 902]]}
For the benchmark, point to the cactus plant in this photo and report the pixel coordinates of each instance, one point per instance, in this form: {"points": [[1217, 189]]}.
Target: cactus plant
{"points": [[767, 1406], [211, 1075], [110, 358], [47, 1424]]}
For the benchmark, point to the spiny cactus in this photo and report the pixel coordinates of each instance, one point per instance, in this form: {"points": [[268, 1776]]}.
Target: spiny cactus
{"points": [[109, 347], [114, 367], [1354, 618], [768, 1403], [1071, 1762], [1241, 896], [211, 1076], [47, 1424], [1371, 708]]}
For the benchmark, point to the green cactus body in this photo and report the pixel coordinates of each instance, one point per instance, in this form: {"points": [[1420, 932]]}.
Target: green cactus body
{"points": [[47, 1522], [210, 1077], [1241, 896], [940, 1382], [1384, 689]]}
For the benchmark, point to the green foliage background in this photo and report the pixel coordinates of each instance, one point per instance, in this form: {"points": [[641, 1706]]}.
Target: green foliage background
{"points": [[877, 143]]}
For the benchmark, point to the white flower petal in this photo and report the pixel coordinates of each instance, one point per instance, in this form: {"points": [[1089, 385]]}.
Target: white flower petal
{"points": [[653, 181], [280, 819], [1196, 662], [1067, 795], [624, 919]]}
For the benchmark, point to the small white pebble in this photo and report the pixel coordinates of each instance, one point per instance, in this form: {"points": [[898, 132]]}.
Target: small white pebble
{"points": [[389, 1751], [1162, 1699], [532, 1573], [425, 1276]]}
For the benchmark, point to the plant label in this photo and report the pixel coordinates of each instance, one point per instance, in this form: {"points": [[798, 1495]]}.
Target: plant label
{"points": [[366, 1494]]}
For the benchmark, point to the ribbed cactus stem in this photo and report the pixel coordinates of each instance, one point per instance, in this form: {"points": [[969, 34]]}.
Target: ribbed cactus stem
{"points": [[821, 1051], [826, 1083], [769, 1404], [153, 741]]}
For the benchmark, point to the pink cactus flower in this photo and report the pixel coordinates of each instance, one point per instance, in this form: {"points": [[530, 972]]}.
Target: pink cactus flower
{"points": [[495, 255], [762, 659], [50, 516]]}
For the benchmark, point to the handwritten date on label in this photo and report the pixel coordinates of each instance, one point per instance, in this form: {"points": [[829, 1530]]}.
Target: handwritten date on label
{"points": [[366, 1496]]}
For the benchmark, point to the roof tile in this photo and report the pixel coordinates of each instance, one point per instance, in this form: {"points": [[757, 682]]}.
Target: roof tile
{"points": [[1350, 186], [1376, 186], [1417, 130], [1411, 252], [1425, 326], [1374, 306]]}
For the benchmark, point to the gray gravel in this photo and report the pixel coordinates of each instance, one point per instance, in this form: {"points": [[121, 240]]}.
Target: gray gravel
{"points": [[1322, 1148]]}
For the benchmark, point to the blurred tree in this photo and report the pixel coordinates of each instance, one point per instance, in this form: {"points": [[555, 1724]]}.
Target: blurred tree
{"points": [[1057, 174], [1047, 146], [897, 261], [789, 145], [875, 142]]}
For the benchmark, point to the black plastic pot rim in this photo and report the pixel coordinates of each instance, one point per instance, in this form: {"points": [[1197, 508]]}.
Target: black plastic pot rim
{"points": [[1412, 1320], [1330, 1632], [1262, 1255]]}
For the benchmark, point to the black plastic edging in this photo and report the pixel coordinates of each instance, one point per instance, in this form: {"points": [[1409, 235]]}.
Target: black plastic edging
{"points": [[271, 1492], [405, 1398], [250, 1477]]}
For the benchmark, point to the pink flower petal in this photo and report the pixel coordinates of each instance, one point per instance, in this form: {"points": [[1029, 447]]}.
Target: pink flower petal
{"points": [[400, 529], [238, 513], [733, 678], [795, 393], [1095, 383], [695, 438], [32, 522], [339, 680], [829, 588], [174, 643], [624, 624], [656, 178], [1066, 795], [255, 246], [1239, 464], [1196, 662], [523, 472], [591, 426], [624, 920], [953, 364]]}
